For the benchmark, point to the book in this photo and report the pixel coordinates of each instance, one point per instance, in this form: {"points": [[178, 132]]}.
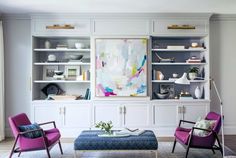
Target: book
{"points": [[127, 131]]}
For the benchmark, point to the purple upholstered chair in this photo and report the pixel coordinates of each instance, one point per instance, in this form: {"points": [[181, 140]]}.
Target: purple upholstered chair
{"points": [[48, 139], [186, 137]]}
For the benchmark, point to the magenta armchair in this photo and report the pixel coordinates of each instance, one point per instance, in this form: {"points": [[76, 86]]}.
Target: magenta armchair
{"points": [[186, 137], [45, 142]]}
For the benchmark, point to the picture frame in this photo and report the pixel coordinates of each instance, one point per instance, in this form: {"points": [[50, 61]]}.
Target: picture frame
{"points": [[72, 72], [48, 72], [121, 67], [168, 88]]}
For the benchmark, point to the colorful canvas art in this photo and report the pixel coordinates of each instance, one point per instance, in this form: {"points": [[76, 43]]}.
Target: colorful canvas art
{"points": [[121, 67]]}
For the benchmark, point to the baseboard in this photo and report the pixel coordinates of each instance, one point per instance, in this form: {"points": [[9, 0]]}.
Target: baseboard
{"points": [[229, 130]]}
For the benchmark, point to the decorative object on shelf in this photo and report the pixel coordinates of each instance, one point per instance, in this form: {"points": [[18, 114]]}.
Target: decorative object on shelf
{"points": [[164, 60], [193, 59], [72, 72], [168, 88], [194, 44], [193, 72], [185, 96], [182, 27], [176, 47], [52, 58], [52, 88], [106, 126], [86, 75], [160, 75], [58, 75], [161, 95], [121, 67], [57, 26], [62, 46], [75, 58], [47, 44], [87, 95], [63, 97], [49, 72], [183, 80], [198, 93], [175, 75], [79, 45]]}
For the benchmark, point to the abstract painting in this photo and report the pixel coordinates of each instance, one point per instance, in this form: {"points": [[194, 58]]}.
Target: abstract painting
{"points": [[121, 67]]}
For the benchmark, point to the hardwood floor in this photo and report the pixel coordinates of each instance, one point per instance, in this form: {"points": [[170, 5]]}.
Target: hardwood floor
{"points": [[230, 141]]}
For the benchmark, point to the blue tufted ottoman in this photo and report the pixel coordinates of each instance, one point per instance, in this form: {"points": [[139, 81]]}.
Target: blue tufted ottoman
{"points": [[89, 141]]}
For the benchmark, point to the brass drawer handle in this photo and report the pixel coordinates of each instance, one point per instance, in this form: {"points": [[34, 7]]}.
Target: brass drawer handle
{"points": [[183, 27], [56, 26]]}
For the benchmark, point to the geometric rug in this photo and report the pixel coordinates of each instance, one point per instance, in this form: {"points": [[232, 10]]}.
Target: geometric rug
{"points": [[164, 151]]}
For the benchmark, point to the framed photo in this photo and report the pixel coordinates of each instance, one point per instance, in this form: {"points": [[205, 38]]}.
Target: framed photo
{"points": [[72, 72], [48, 72], [168, 88]]}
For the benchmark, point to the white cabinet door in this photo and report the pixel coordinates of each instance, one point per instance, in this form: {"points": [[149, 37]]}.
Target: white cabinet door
{"points": [[77, 115], [194, 111], [107, 113], [166, 115], [136, 115], [121, 27], [46, 113]]}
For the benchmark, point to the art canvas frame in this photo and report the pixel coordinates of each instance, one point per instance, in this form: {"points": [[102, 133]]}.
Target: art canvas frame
{"points": [[72, 72], [48, 72], [121, 67], [168, 88]]}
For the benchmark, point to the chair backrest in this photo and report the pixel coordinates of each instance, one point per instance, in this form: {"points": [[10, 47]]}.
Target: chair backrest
{"points": [[16, 121], [217, 118]]}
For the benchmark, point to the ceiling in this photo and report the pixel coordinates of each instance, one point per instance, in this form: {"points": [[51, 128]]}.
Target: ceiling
{"points": [[117, 6]]}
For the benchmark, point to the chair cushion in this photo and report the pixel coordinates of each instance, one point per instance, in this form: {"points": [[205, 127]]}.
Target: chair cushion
{"points": [[34, 126], [205, 124], [182, 134]]}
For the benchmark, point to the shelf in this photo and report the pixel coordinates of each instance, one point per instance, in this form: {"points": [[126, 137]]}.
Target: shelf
{"points": [[60, 81], [62, 63], [61, 50], [155, 63], [180, 50], [180, 101], [171, 81]]}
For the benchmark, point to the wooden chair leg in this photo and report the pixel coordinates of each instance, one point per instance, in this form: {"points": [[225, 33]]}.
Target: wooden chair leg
{"points": [[19, 154], [186, 156], [59, 143], [13, 148], [213, 151], [48, 153], [218, 141], [173, 149]]}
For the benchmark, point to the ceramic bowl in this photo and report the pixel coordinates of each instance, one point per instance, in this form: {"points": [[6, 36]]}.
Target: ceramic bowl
{"points": [[58, 72], [162, 95], [79, 45], [76, 57]]}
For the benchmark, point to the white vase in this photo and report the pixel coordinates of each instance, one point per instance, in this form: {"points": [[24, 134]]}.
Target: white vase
{"points": [[192, 76], [47, 44], [198, 93]]}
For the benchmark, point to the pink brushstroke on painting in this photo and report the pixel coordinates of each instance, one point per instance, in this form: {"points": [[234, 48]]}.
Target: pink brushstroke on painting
{"points": [[107, 94]]}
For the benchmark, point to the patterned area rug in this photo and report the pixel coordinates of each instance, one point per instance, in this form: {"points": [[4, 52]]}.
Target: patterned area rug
{"points": [[164, 151]]}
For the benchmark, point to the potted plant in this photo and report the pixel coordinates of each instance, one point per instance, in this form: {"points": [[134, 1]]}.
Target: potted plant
{"points": [[105, 126], [193, 72]]}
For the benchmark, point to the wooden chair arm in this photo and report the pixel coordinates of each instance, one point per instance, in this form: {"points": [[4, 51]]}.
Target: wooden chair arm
{"points": [[50, 122]]}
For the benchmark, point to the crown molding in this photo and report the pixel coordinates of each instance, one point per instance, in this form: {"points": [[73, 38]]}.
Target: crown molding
{"points": [[16, 16], [223, 17]]}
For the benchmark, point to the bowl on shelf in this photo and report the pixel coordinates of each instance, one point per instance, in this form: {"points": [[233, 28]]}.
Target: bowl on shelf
{"points": [[79, 45], [58, 72], [76, 57], [161, 95]]}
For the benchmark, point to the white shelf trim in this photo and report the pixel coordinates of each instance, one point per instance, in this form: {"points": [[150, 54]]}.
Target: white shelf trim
{"points": [[61, 50], [183, 63], [60, 81], [68, 63], [179, 50]]}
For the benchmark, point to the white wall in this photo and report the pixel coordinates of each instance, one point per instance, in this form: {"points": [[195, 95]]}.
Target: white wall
{"points": [[17, 40], [223, 67]]}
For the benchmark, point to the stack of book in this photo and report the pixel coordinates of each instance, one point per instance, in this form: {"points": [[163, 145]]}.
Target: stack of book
{"points": [[193, 60], [185, 97]]}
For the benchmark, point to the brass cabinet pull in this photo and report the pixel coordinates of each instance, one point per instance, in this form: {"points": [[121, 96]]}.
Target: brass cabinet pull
{"points": [[181, 27], [57, 26]]}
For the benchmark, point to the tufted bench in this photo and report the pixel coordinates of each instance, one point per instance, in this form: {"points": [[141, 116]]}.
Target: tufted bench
{"points": [[89, 141]]}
